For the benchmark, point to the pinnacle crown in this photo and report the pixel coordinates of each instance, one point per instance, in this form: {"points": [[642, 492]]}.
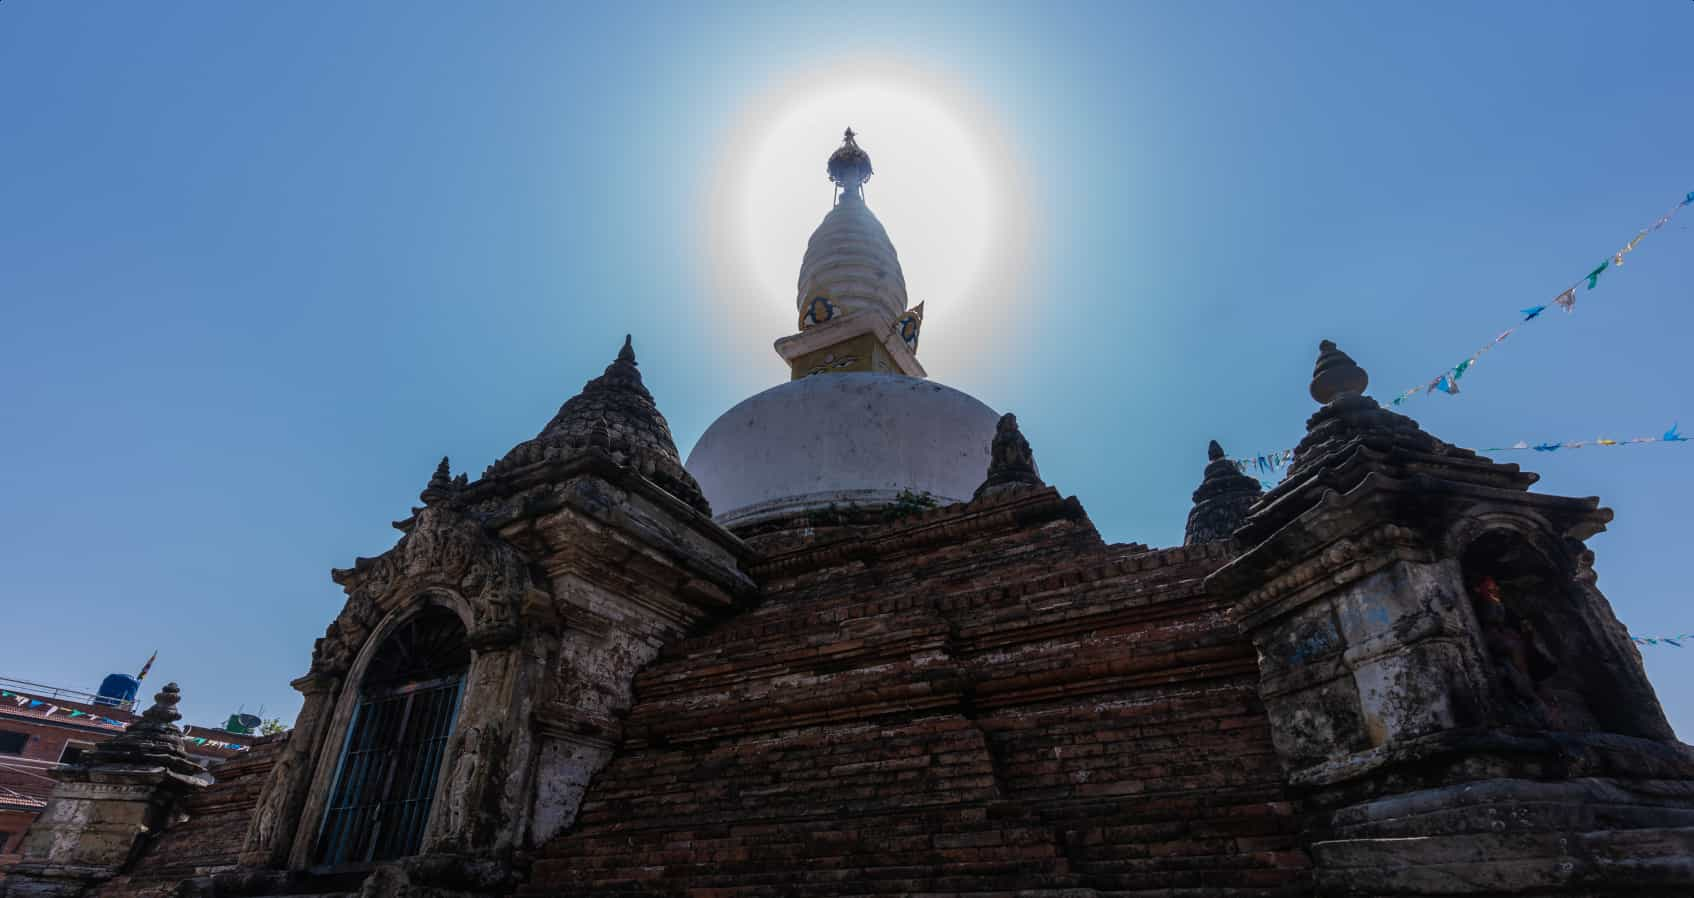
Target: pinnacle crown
{"points": [[1336, 375]]}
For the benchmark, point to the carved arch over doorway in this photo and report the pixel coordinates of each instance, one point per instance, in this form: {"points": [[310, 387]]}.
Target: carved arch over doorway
{"points": [[446, 561], [389, 764]]}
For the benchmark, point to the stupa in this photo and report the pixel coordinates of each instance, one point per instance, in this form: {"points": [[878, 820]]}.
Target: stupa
{"points": [[858, 646], [859, 425]]}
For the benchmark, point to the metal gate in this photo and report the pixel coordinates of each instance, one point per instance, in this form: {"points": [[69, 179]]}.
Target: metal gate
{"points": [[380, 802]]}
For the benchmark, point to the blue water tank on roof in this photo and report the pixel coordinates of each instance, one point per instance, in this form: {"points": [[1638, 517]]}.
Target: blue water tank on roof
{"points": [[118, 690]]}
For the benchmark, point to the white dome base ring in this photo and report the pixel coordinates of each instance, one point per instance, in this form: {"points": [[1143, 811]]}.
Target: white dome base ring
{"points": [[856, 439]]}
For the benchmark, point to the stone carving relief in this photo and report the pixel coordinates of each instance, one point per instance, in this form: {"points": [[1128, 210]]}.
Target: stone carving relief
{"points": [[269, 818], [462, 779], [444, 552], [332, 654]]}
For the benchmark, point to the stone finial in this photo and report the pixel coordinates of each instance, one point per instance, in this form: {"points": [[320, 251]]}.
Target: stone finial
{"points": [[153, 741], [849, 166], [624, 371], [1222, 502], [163, 712], [441, 484], [1012, 464], [1336, 375]]}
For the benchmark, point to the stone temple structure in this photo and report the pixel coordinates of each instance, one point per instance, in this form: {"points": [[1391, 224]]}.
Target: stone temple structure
{"points": [[856, 646]]}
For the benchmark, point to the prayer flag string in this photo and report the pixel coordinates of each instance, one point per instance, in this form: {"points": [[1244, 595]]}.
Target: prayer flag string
{"points": [[1271, 462], [24, 701], [1676, 640], [1448, 381]]}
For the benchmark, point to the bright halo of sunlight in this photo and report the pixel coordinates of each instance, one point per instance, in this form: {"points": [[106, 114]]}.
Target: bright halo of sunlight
{"points": [[944, 188]]}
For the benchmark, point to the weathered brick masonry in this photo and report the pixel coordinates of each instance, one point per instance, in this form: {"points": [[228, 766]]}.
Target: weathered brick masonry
{"points": [[1391, 675], [780, 670], [983, 698]]}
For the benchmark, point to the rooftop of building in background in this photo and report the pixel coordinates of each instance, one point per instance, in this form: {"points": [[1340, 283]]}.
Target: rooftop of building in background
{"points": [[92, 717]]}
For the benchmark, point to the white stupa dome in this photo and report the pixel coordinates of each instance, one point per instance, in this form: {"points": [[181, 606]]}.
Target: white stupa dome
{"points": [[842, 439], [854, 428]]}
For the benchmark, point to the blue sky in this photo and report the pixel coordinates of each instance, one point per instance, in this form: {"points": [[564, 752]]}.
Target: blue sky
{"points": [[263, 266]]}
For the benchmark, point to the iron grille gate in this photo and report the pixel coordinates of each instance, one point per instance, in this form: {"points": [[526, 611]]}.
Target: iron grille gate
{"points": [[380, 802]]}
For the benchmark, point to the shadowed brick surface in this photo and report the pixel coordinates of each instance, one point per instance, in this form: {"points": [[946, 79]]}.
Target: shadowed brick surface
{"points": [[990, 701]]}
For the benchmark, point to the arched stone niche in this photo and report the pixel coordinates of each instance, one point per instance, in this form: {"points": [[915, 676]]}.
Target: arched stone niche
{"points": [[306, 850], [479, 807], [1556, 656], [395, 719]]}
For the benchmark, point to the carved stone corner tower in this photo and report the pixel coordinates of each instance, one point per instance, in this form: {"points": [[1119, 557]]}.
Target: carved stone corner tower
{"points": [[106, 812], [1445, 684], [490, 653], [1011, 464], [1222, 501]]}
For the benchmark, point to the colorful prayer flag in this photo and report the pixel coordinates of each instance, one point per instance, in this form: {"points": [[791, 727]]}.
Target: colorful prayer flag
{"points": [[1565, 300]]}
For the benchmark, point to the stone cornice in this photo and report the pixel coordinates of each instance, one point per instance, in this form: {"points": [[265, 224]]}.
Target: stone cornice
{"points": [[484, 494], [607, 534], [650, 544], [315, 682], [1344, 560], [1591, 754], [1336, 537]]}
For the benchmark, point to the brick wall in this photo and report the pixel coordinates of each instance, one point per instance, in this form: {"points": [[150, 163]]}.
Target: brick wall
{"points": [[981, 699]]}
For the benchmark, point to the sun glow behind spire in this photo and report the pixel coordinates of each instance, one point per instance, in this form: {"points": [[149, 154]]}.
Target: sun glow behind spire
{"points": [[946, 188]]}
